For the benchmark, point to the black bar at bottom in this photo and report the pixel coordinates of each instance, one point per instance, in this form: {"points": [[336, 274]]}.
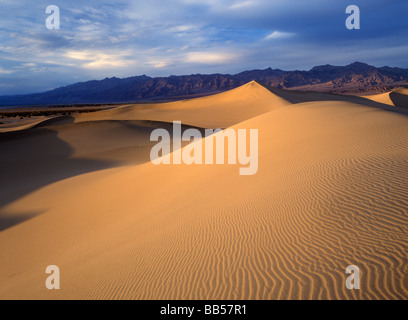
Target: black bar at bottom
{"points": [[204, 309]]}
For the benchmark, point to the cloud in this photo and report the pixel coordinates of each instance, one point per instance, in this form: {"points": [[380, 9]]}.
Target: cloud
{"points": [[100, 60], [182, 28], [100, 38], [160, 64], [210, 57], [83, 21], [4, 71], [278, 35], [242, 4]]}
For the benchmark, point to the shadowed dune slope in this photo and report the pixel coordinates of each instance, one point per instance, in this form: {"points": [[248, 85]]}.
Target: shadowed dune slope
{"points": [[330, 192], [400, 97], [386, 101]]}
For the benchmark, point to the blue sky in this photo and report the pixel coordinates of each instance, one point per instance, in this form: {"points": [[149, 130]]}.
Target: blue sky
{"points": [[99, 38]]}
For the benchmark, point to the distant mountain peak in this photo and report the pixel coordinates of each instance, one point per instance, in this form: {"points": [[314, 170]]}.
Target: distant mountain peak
{"points": [[355, 77], [360, 66], [322, 68]]}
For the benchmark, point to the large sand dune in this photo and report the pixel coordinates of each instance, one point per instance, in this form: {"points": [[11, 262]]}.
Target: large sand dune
{"points": [[217, 111], [330, 192]]}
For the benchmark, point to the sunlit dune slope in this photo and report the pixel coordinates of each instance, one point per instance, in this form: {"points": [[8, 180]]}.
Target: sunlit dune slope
{"points": [[330, 192], [398, 97], [20, 125], [216, 111], [381, 98]]}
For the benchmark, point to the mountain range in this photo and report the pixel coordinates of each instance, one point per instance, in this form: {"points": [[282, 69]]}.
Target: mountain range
{"points": [[357, 77]]}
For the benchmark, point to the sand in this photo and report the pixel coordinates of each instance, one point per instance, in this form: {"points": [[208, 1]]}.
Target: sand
{"points": [[382, 98], [217, 111], [398, 97], [20, 124], [330, 192]]}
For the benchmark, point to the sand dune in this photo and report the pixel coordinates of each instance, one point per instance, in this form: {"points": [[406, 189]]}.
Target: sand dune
{"points": [[21, 124], [403, 91], [217, 111], [330, 192], [381, 98], [58, 149], [398, 97]]}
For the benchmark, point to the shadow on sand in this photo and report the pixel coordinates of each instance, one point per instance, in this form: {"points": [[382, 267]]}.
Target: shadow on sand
{"points": [[34, 158], [31, 159]]}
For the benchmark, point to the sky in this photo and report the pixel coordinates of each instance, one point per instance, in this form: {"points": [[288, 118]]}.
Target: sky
{"points": [[99, 38]]}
